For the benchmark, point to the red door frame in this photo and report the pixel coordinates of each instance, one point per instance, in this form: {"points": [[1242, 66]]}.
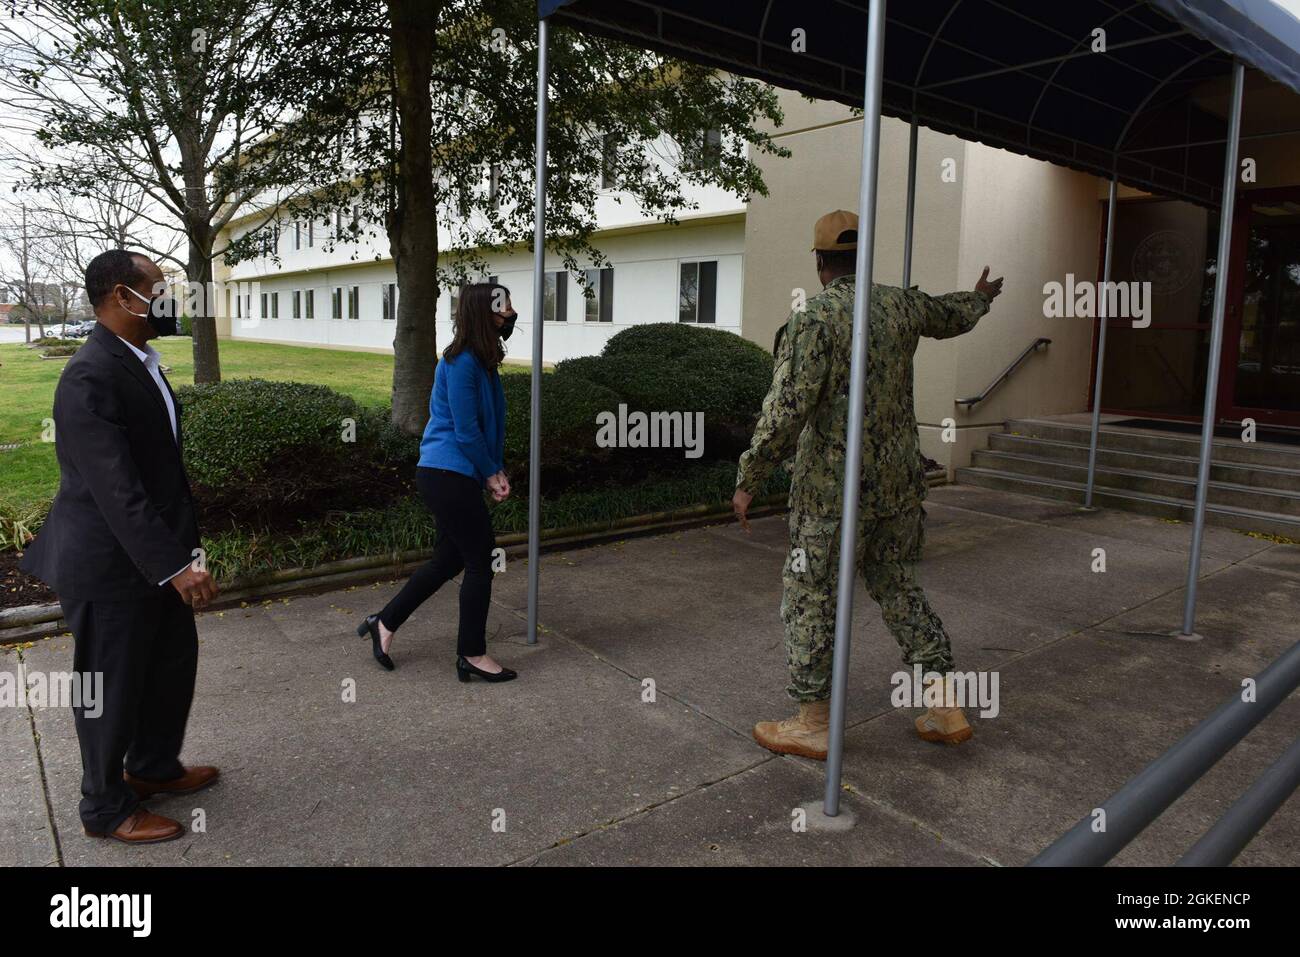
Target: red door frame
{"points": [[1225, 403], [1225, 408], [1096, 325]]}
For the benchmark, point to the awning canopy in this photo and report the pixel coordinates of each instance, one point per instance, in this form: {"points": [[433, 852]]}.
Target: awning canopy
{"points": [[1017, 74]]}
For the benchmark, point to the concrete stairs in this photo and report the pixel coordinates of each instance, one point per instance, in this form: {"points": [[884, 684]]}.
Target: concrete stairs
{"points": [[1253, 486]]}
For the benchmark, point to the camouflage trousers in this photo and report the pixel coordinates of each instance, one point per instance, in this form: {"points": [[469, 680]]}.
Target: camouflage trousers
{"points": [[888, 548]]}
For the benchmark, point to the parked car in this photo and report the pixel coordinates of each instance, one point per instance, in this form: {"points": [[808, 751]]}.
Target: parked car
{"points": [[78, 330]]}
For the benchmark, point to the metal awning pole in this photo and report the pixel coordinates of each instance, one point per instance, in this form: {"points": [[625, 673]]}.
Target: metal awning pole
{"points": [[535, 408], [1216, 341], [1102, 300], [910, 216], [871, 102]]}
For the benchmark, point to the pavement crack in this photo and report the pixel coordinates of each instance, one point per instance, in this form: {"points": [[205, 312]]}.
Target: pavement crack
{"points": [[888, 809], [45, 783], [641, 811]]}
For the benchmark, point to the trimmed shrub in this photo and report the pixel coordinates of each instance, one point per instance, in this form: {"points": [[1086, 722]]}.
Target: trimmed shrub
{"points": [[569, 408], [674, 367], [55, 351], [670, 367], [259, 451]]}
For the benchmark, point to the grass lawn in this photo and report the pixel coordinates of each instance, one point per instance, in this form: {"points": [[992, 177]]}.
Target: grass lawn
{"points": [[30, 473]]}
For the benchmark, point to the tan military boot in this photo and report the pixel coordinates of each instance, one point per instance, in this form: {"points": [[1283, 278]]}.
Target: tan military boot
{"points": [[804, 734], [948, 725]]}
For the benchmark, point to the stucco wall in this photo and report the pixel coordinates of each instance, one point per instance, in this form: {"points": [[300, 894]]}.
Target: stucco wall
{"points": [[1030, 221]]}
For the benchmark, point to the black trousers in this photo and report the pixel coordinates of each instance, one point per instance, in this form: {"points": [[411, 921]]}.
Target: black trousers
{"points": [[465, 541], [148, 652]]}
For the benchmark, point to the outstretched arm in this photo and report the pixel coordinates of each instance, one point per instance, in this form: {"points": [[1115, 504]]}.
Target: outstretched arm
{"points": [[943, 317]]}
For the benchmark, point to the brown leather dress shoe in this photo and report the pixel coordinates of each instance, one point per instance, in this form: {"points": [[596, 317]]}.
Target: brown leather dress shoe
{"points": [[143, 827], [194, 779]]}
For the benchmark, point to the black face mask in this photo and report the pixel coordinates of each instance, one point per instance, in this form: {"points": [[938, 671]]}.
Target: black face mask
{"points": [[160, 313], [509, 326]]}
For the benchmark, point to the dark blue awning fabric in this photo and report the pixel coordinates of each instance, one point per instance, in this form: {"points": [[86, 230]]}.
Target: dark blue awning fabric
{"points": [[1016, 74]]}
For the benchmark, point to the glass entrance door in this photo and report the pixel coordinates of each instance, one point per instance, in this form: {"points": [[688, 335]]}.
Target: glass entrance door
{"points": [[1260, 378]]}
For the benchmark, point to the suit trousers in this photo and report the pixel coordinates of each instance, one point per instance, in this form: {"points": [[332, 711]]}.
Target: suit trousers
{"points": [[147, 651]]}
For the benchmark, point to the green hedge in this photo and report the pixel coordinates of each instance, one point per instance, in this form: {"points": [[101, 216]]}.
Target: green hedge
{"points": [[673, 367], [569, 408], [253, 445], [235, 429]]}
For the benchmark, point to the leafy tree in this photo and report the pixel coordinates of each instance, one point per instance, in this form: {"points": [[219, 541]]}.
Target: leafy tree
{"points": [[180, 101], [447, 93]]}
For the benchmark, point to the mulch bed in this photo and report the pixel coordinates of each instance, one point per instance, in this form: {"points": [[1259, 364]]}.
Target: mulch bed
{"points": [[18, 588]]}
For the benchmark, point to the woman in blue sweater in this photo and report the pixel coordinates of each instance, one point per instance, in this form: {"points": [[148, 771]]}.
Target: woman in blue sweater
{"points": [[460, 454]]}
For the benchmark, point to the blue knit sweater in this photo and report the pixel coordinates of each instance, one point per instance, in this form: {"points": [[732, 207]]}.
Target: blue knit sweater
{"points": [[467, 420]]}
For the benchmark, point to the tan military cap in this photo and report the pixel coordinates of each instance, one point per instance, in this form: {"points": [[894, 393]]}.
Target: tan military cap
{"points": [[826, 232]]}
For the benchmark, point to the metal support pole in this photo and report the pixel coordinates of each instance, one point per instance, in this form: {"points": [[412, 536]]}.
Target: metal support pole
{"points": [[1102, 301], [910, 216], [539, 280], [1250, 812], [1139, 802], [1216, 341], [871, 101]]}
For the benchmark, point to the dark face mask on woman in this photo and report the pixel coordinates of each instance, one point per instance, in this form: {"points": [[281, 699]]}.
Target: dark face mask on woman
{"points": [[509, 326]]}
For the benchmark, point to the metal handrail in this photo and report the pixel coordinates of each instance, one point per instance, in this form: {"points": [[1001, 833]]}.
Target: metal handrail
{"points": [[1108, 830], [1033, 347]]}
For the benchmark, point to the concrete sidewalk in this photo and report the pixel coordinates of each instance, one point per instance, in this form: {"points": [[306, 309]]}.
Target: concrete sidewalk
{"points": [[574, 767]]}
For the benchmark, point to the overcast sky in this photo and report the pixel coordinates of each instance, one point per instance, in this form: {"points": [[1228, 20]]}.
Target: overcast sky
{"points": [[16, 128]]}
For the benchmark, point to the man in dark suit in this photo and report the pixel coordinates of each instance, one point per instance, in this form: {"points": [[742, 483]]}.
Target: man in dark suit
{"points": [[121, 550]]}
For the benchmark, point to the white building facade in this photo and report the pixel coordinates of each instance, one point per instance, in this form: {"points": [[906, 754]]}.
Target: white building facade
{"points": [[318, 291]]}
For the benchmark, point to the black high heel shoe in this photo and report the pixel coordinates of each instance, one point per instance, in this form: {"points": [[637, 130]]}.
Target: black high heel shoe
{"points": [[464, 669], [371, 627]]}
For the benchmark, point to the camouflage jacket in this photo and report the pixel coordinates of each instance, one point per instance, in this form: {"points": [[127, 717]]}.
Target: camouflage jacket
{"points": [[806, 409]]}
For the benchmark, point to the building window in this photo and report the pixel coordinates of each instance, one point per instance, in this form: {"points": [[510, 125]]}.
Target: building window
{"points": [[269, 240], [275, 305], [390, 301], [297, 234], [264, 313], [697, 299], [555, 301], [354, 302], [706, 151], [610, 145], [494, 185], [311, 233], [336, 303], [600, 303], [297, 303], [311, 303]]}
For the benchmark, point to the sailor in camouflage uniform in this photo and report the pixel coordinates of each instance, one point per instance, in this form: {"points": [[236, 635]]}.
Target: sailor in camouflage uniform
{"points": [[806, 411]]}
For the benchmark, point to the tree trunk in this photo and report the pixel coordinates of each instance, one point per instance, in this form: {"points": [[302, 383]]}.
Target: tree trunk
{"points": [[198, 269], [27, 328], [413, 220]]}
